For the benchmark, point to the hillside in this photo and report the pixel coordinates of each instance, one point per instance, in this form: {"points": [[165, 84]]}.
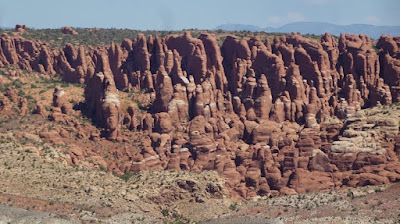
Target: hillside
{"points": [[191, 126]]}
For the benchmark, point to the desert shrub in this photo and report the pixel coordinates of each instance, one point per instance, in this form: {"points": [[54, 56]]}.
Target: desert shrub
{"points": [[126, 176], [233, 207], [165, 212]]}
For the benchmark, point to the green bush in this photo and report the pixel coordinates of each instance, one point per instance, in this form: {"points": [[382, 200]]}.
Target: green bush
{"points": [[165, 212], [126, 176], [233, 207]]}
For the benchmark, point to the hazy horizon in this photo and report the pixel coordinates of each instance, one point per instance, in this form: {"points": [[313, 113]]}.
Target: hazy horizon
{"points": [[211, 28], [179, 14]]}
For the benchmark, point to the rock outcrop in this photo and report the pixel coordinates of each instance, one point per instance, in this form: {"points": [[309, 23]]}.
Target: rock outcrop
{"points": [[59, 101], [68, 30], [20, 28], [103, 104], [272, 118]]}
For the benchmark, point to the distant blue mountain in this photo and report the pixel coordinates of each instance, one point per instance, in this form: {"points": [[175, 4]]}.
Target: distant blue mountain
{"points": [[319, 28], [239, 27], [5, 28]]}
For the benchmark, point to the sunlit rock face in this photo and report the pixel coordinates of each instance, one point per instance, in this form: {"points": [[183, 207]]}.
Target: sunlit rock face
{"points": [[273, 116]]}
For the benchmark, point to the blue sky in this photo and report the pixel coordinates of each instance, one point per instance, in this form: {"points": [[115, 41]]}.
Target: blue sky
{"points": [[202, 14]]}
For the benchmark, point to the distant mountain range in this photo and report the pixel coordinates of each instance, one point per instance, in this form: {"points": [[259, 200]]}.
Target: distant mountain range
{"points": [[5, 28], [318, 28]]}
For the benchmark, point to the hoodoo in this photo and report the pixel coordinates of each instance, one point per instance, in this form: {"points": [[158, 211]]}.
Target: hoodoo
{"points": [[277, 118]]}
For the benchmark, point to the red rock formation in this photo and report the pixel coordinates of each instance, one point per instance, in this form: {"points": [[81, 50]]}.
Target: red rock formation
{"points": [[279, 118], [68, 30], [60, 101], [164, 93], [390, 64], [20, 28], [192, 52], [141, 54], [103, 104], [214, 60], [8, 52], [40, 109], [72, 64], [236, 61], [116, 58]]}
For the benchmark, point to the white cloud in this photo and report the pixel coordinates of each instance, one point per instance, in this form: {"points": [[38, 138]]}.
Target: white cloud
{"points": [[289, 18], [371, 20]]}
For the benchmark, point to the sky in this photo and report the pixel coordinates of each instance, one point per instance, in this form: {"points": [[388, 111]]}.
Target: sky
{"points": [[200, 14]]}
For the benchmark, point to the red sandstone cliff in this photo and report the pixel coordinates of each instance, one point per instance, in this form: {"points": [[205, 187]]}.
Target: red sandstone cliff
{"points": [[267, 117]]}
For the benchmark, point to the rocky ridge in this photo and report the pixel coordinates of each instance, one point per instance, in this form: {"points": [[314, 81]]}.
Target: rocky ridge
{"points": [[61, 193], [271, 118]]}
